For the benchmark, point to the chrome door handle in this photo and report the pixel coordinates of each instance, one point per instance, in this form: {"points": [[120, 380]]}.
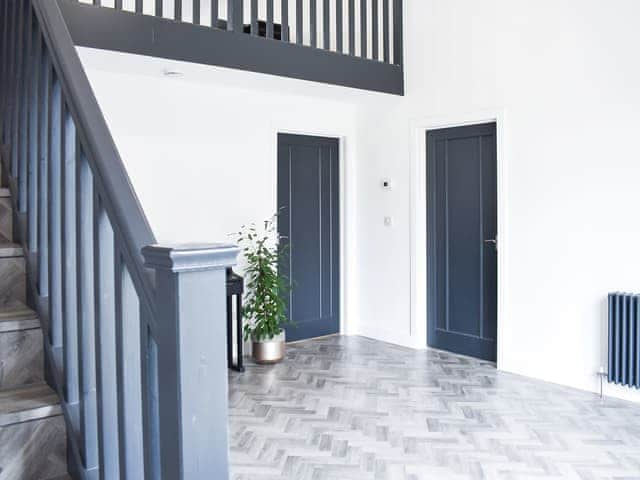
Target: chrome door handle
{"points": [[493, 241]]}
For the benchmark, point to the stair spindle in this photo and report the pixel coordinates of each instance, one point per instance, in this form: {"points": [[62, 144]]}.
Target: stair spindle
{"points": [[32, 169], [397, 33], [53, 201], [385, 32], [68, 273], [105, 321], [339, 26], [352, 27], [269, 32], [284, 7], [374, 29], [313, 23], [43, 167], [235, 15], [363, 29], [129, 373], [24, 108], [299, 23], [85, 314], [214, 13], [196, 12], [326, 25]]}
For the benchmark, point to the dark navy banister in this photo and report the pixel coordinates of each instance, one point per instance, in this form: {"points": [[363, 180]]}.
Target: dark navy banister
{"points": [[134, 332], [102, 154]]}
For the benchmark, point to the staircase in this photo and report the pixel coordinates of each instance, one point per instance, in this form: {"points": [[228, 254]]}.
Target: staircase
{"points": [[112, 346], [32, 428]]}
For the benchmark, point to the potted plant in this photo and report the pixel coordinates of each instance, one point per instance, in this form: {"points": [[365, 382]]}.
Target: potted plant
{"points": [[264, 305]]}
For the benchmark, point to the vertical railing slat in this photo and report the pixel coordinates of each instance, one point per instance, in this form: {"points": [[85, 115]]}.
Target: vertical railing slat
{"points": [[159, 10], [352, 27], [53, 201], [118, 4], [139, 6], [397, 33], [150, 407], [254, 17], [374, 29], [299, 22], [32, 169], [4, 6], [386, 51], [284, 6], [339, 26], [97, 3], [214, 13], [269, 32], [69, 272], [313, 22], [85, 314], [196, 12], [177, 10], [24, 108], [15, 111], [13, 45], [326, 25], [106, 343], [235, 15], [129, 374], [363, 29], [8, 96], [43, 160]]}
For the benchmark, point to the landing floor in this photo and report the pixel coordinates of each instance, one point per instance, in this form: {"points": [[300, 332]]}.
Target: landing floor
{"points": [[353, 408]]}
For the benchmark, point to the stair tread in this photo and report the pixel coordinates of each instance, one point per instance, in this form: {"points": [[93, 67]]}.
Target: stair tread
{"points": [[30, 402], [5, 192], [17, 316], [10, 249]]}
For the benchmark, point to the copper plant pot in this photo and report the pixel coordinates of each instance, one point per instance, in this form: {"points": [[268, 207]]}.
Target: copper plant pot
{"points": [[269, 351]]}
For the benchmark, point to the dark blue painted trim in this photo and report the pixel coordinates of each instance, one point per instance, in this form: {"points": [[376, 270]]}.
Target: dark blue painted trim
{"points": [[110, 29]]}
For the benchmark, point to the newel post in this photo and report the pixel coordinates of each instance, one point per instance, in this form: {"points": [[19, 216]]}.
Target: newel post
{"points": [[192, 358]]}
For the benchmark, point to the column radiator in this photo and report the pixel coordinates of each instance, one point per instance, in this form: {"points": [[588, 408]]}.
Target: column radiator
{"points": [[624, 339]]}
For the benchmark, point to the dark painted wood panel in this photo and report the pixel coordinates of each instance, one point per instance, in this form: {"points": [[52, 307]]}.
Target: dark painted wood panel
{"points": [[308, 196], [462, 224], [122, 31]]}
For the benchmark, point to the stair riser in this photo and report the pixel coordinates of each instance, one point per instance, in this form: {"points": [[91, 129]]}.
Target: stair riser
{"points": [[12, 280], [33, 450], [21, 358], [6, 218]]}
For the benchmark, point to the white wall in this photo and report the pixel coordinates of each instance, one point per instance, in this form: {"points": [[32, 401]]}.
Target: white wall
{"points": [[200, 148], [562, 78]]}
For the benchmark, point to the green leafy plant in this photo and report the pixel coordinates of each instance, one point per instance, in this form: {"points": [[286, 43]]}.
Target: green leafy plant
{"points": [[264, 303]]}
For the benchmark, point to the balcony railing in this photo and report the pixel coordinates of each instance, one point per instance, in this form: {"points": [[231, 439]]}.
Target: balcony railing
{"points": [[355, 43]]}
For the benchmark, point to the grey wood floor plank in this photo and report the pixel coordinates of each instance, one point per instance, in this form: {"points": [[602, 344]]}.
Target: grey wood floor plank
{"points": [[354, 408]]}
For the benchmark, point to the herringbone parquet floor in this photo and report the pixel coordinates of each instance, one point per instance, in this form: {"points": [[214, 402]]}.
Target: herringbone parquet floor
{"points": [[345, 408]]}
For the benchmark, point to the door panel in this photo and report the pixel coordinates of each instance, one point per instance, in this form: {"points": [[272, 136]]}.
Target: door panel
{"points": [[462, 212], [308, 186]]}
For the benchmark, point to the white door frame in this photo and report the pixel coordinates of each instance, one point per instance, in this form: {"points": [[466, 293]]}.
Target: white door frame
{"points": [[344, 149], [418, 247]]}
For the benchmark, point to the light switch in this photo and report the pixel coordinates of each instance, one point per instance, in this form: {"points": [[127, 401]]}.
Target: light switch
{"points": [[388, 221]]}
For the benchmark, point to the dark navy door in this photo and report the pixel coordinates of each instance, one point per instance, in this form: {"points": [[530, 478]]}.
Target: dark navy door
{"points": [[461, 240], [309, 203]]}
